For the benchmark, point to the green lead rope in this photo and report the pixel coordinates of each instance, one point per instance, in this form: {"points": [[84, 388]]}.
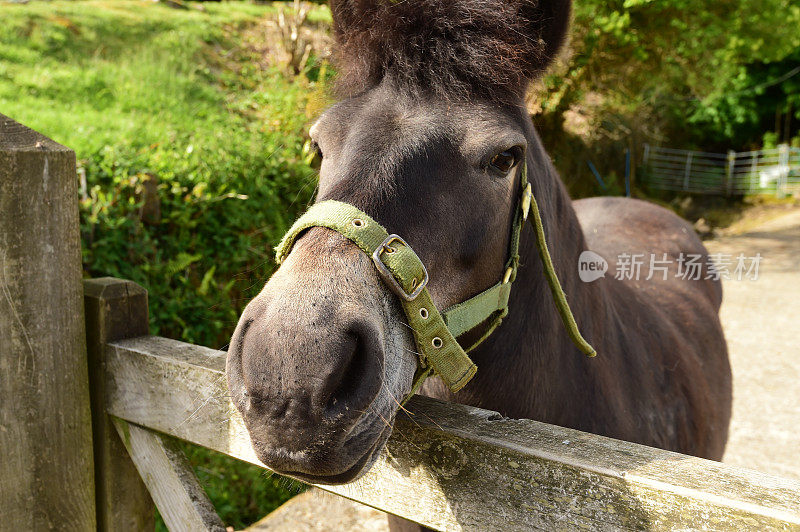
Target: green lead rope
{"points": [[559, 296], [402, 270]]}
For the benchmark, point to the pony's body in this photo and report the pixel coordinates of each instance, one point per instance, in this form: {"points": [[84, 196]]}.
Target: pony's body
{"points": [[662, 378]]}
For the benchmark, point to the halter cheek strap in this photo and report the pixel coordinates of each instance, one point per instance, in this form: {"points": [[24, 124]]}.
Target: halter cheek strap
{"points": [[404, 273]]}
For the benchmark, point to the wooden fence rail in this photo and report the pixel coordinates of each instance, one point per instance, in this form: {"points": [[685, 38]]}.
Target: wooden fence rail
{"points": [[454, 467]]}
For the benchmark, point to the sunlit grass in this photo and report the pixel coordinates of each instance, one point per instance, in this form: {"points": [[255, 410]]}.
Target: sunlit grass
{"points": [[90, 74]]}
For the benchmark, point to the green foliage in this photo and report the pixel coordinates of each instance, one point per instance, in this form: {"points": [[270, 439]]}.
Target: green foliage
{"points": [[762, 91], [241, 493], [646, 49], [678, 72], [188, 152], [222, 206]]}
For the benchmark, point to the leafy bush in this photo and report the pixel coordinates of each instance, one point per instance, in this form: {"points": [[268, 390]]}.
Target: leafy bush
{"points": [[221, 207]]}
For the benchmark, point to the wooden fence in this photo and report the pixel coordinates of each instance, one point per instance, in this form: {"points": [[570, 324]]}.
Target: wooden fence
{"points": [[446, 466], [774, 172]]}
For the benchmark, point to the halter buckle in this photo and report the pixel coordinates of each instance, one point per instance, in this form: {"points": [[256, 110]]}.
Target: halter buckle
{"points": [[527, 197], [387, 275]]}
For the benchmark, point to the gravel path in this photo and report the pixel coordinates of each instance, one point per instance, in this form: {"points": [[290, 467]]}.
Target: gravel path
{"points": [[762, 325]]}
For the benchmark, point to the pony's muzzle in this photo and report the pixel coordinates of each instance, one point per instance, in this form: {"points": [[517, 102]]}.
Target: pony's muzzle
{"points": [[329, 370], [306, 366]]}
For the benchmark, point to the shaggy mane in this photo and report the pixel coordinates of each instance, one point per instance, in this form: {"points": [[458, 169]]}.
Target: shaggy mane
{"points": [[453, 48]]}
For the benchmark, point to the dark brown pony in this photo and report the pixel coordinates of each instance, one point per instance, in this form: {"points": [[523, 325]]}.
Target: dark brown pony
{"points": [[429, 139]]}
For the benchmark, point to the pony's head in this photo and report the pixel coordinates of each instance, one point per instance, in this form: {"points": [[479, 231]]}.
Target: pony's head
{"points": [[428, 139]]}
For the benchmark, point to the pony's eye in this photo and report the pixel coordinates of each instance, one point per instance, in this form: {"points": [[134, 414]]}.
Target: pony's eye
{"points": [[504, 162], [312, 154]]}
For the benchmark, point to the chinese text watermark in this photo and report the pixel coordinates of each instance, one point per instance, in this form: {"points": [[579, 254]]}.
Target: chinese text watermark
{"points": [[686, 266]]}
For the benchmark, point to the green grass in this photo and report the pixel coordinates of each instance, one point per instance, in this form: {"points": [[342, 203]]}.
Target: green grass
{"points": [[122, 72], [149, 94]]}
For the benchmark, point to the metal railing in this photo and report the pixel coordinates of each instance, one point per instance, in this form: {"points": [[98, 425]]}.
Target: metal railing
{"points": [[773, 172]]}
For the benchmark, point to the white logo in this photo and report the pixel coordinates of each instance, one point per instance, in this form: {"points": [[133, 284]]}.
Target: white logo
{"points": [[591, 266]]}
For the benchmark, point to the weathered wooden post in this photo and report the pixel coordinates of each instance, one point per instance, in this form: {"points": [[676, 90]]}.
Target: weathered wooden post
{"points": [[115, 310], [46, 465]]}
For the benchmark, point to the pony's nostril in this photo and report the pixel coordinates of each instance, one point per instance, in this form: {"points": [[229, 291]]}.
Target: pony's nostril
{"points": [[319, 369], [349, 387]]}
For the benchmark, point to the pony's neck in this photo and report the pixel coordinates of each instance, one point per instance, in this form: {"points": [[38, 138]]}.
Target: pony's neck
{"points": [[529, 367]]}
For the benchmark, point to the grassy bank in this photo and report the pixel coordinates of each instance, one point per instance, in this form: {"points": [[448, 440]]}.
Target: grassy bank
{"points": [[188, 158]]}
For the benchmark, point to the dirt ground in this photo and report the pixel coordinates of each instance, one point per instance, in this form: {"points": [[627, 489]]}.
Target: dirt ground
{"points": [[761, 319], [762, 324]]}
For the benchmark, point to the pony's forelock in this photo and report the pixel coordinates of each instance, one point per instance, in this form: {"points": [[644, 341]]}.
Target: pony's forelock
{"points": [[454, 48]]}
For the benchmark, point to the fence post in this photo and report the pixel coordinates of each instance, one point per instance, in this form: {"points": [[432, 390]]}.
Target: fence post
{"points": [[46, 469], [729, 173], [688, 171], [115, 310], [783, 178], [753, 181]]}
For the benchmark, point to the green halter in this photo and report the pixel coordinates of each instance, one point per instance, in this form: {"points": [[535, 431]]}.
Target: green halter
{"points": [[402, 270]]}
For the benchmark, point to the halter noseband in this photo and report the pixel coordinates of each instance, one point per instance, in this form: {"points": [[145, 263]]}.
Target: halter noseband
{"points": [[404, 273]]}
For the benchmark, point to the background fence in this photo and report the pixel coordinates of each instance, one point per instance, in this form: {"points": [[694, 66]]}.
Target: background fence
{"points": [[775, 171]]}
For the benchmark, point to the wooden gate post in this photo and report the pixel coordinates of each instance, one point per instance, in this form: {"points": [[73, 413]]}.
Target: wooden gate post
{"points": [[115, 310], [46, 469]]}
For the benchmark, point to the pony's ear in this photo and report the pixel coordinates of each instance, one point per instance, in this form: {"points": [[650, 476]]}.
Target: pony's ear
{"points": [[547, 24]]}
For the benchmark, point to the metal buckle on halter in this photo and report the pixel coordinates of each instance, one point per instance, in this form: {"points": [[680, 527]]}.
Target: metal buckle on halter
{"points": [[388, 276]]}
